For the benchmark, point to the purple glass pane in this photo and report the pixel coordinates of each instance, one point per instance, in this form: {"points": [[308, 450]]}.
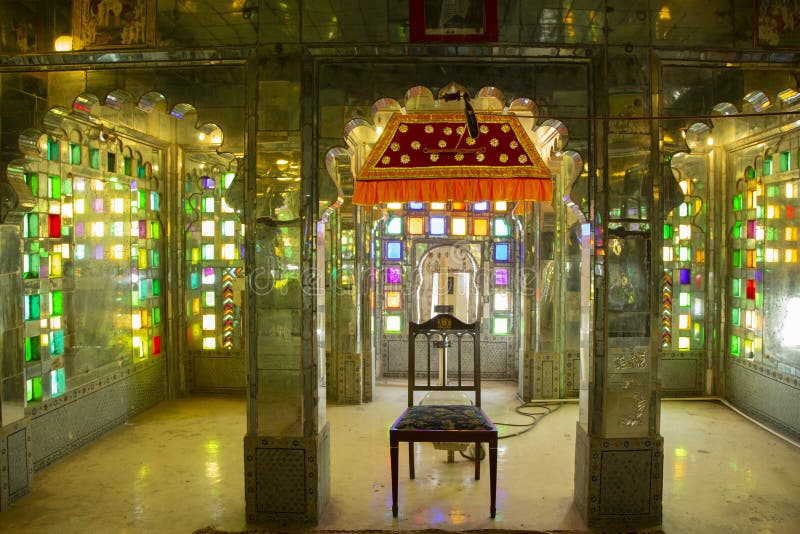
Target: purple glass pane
{"points": [[98, 252], [686, 276], [79, 229], [207, 182], [393, 275], [501, 277]]}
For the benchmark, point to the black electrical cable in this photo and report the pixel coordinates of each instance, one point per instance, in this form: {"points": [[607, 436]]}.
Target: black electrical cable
{"points": [[536, 417]]}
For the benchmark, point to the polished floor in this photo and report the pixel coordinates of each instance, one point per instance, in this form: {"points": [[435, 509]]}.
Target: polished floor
{"points": [[179, 468]]}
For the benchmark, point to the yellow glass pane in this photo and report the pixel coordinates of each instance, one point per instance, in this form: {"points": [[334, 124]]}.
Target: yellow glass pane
{"points": [[393, 300], [480, 227], [416, 225]]}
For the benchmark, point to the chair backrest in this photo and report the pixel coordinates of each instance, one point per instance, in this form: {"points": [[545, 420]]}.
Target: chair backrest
{"points": [[440, 331]]}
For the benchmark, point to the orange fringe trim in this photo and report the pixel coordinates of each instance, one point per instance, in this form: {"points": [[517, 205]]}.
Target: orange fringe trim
{"points": [[372, 192]]}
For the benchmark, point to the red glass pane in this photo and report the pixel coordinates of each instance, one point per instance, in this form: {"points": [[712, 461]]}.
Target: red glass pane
{"points": [[54, 225], [751, 289]]}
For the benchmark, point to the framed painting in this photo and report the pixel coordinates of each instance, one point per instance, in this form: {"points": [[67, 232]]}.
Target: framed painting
{"points": [[113, 23], [777, 23], [453, 20]]}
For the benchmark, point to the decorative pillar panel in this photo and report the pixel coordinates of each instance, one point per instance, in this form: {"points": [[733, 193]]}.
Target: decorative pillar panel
{"points": [[287, 448], [619, 457], [16, 464]]}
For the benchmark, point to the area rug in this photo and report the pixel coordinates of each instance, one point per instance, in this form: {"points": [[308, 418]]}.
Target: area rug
{"points": [[212, 530]]}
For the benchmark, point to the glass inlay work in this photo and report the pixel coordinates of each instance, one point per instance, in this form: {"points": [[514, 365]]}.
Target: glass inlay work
{"points": [[214, 249], [684, 244], [448, 242], [764, 299], [91, 259]]}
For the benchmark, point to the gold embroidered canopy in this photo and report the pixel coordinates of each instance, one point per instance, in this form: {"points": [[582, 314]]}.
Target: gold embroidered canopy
{"points": [[431, 157]]}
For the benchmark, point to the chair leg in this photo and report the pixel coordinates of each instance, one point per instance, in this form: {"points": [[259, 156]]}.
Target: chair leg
{"points": [[477, 460], [395, 454], [493, 476], [411, 460]]}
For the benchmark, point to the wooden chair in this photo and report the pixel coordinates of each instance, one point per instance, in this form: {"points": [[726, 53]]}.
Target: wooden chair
{"points": [[444, 422]]}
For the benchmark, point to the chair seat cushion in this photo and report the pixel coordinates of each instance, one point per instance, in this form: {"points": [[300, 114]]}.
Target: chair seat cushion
{"points": [[444, 417]]}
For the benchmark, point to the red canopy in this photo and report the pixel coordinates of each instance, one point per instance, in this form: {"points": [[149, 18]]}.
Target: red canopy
{"points": [[431, 157]]}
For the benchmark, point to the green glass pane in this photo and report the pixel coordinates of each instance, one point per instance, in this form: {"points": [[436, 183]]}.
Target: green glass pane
{"points": [[767, 167], [737, 230], [127, 166], [142, 289], [759, 299], [735, 346], [501, 228], [56, 343], [500, 326], [737, 202], [736, 317], [37, 388], [155, 259], [208, 205], [141, 170], [32, 179], [194, 280], [31, 265], [53, 150], [737, 259], [759, 212], [207, 252], [772, 234], [156, 316], [58, 384], [56, 303], [94, 158], [155, 229], [667, 231], [33, 348], [32, 307], [31, 225], [750, 173], [54, 186], [155, 201], [156, 287], [75, 153], [142, 202], [393, 324], [736, 288], [134, 298], [773, 191], [394, 226]]}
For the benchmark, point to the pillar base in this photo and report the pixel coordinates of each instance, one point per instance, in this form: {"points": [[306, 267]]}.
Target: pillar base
{"points": [[350, 381], [16, 462], [541, 376], [618, 481], [287, 479]]}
